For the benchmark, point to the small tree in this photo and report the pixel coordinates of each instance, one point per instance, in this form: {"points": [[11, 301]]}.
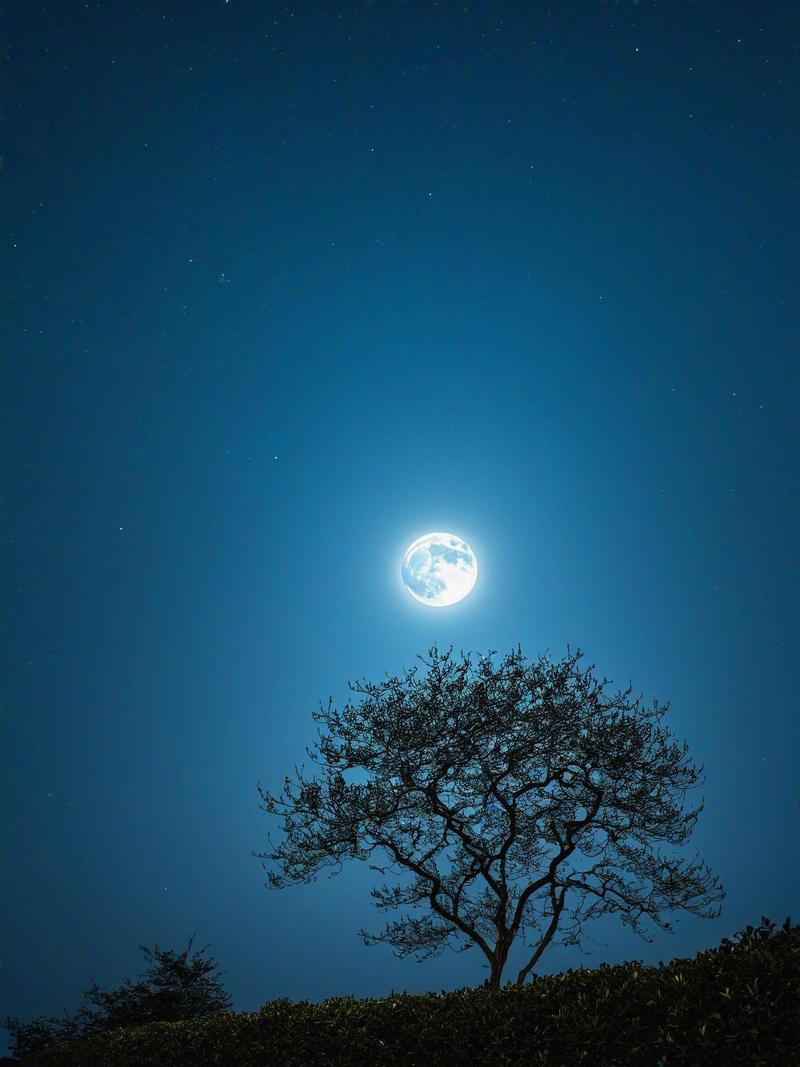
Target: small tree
{"points": [[482, 782], [173, 988]]}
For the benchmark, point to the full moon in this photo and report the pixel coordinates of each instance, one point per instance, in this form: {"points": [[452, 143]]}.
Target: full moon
{"points": [[439, 569]]}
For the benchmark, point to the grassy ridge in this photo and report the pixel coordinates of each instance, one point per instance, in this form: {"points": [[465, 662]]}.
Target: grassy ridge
{"points": [[738, 1004]]}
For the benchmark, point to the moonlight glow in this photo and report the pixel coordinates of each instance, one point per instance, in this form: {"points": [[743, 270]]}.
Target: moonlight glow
{"points": [[439, 569]]}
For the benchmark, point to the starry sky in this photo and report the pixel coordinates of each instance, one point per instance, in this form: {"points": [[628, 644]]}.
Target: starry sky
{"points": [[291, 285]]}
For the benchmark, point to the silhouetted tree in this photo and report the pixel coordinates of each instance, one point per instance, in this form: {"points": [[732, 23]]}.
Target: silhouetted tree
{"points": [[482, 781], [173, 988]]}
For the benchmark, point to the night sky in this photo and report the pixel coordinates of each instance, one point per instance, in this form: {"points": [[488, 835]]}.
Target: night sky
{"points": [[288, 287]]}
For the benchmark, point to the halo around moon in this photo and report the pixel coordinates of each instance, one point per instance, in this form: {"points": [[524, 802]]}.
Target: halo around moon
{"points": [[439, 569]]}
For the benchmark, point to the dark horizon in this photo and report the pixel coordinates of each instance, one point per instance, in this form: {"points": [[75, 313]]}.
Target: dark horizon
{"points": [[289, 288]]}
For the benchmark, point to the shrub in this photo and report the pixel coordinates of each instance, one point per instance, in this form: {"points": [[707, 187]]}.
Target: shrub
{"points": [[736, 1004]]}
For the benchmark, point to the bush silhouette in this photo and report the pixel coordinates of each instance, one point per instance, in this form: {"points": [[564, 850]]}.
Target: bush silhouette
{"points": [[173, 988]]}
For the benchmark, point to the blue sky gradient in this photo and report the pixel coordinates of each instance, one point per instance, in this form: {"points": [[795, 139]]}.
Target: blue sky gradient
{"points": [[290, 287]]}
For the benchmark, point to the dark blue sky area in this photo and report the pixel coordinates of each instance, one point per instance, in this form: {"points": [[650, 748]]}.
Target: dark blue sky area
{"points": [[290, 287]]}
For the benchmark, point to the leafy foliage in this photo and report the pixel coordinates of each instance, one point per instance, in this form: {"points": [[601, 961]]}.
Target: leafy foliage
{"points": [[482, 780], [172, 989], [738, 1004]]}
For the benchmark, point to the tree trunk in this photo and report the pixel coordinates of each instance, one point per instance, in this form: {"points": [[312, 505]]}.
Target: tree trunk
{"points": [[498, 962]]}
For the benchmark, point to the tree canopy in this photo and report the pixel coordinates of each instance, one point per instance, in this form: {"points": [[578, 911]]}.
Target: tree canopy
{"points": [[513, 795], [172, 988]]}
